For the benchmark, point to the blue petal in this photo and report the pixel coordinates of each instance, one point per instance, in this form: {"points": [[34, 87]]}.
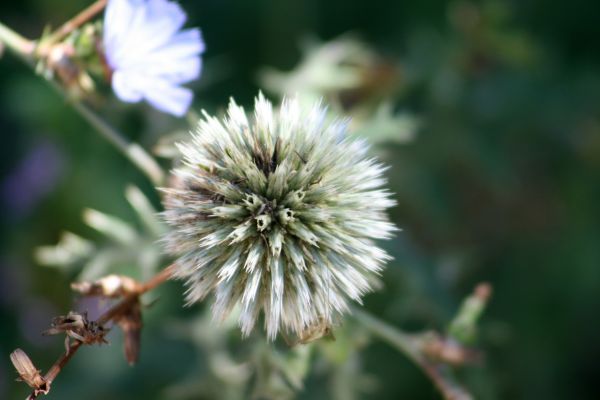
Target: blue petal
{"points": [[149, 55]]}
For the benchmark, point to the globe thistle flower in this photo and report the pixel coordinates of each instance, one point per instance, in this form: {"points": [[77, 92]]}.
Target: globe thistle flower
{"points": [[277, 214], [149, 56]]}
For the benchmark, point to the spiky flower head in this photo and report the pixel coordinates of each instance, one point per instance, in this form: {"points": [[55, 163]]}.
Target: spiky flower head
{"points": [[277, 213]]}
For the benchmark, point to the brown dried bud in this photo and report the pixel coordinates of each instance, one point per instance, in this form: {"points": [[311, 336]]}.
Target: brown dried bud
{"points": [[319, 330], [28, 373], [448, 351], [483, 292], [111, 286], [78, 327], [61, 62], [131, 324]]}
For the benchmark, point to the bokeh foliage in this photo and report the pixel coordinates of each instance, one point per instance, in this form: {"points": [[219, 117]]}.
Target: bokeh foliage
{"points": [[500, 183]]}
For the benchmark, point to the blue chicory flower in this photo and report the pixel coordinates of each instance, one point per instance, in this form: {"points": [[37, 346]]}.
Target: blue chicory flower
{"points": [[150, 57]]}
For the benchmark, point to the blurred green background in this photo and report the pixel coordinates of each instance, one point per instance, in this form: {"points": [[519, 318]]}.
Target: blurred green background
{"points": [[501, 183]]}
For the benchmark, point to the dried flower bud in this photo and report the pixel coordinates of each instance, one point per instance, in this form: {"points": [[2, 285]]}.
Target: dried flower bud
{"points": [[449, 351], [110, 286], [28, 373], [61, 61], [279, 215], [78, 327], [131, 324], [315, 332]]}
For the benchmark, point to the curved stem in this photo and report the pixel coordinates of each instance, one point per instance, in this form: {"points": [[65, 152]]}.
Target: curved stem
{"points": [[16, 43], [405, 342], [60, 363], [133, 151], [25, 48], [73, 24], [411, 345]]}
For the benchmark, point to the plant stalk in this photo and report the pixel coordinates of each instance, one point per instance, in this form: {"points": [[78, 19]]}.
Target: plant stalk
{"points": [[72, 24], [25, 50], [133, 151], [411, 345], [16, 43], [112, 314]]}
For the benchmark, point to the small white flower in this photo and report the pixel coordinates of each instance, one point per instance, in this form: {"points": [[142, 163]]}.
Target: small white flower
{"points": [[149, 56]]}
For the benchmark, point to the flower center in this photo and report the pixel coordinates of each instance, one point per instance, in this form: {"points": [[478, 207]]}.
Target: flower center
{"points": [[267, 212]]}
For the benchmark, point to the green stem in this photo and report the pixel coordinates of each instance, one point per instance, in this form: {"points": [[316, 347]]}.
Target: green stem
{"points": [[133, 151], [16, 43], [411, 345], [25, 48], [406, 343]]}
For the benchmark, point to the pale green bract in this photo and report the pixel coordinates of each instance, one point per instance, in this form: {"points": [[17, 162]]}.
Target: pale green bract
{"points": [[278, 213]]}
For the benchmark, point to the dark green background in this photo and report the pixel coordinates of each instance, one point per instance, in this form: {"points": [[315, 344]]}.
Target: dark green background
{"points": [[501, 184]]}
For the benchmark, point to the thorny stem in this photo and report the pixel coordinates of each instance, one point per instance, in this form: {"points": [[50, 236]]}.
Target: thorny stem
{"points": [[25, 48], [411, 345], [72, 24], [111, 314]]}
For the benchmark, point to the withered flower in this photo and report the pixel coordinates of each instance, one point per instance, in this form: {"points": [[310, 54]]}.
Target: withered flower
{"points": [[111, 286], [28, 373], [78, 327], [131, 325]]}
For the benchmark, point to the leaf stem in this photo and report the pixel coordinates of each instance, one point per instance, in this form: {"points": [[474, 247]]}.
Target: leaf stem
{"points": [[25, 49], [411, 345], [133, 151], [16, 43], [72, 24]]}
